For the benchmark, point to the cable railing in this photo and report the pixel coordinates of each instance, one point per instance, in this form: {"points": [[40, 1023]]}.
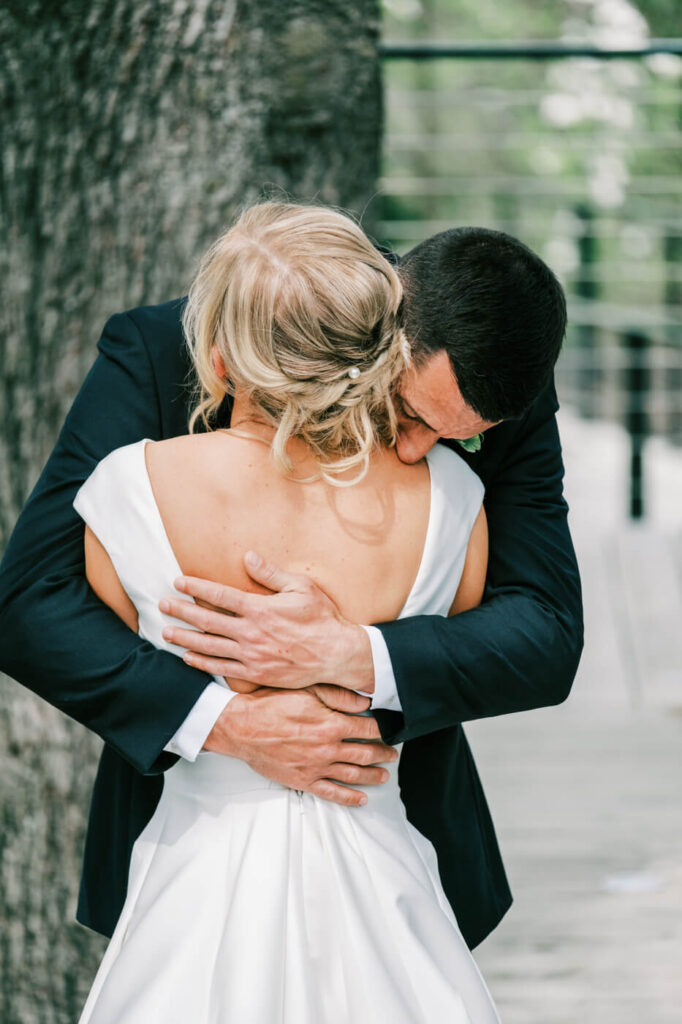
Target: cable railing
{"points": [[576, 149], [530, 49]]}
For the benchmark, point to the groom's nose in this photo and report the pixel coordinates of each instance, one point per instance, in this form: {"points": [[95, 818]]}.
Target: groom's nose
{"points": [[413, 442]]}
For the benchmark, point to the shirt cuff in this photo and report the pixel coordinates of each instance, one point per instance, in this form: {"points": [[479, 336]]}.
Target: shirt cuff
{"points": [[192, 734], [385, 688]]}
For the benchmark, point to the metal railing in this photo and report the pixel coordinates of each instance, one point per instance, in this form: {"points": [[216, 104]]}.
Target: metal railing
{"points": [[576, 149]]}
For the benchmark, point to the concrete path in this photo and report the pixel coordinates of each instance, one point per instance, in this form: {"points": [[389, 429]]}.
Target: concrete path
{"points": [[587, 797]]}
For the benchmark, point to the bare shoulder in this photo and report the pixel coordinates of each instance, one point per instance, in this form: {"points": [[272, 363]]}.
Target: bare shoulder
{"points": [[205, 474], [195, 452]]}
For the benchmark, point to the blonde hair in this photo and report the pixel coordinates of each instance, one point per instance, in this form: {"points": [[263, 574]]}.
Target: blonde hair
{"points": [[294, 297]]}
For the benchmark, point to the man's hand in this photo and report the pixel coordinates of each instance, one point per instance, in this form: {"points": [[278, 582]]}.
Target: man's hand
{"points": [[297, 738], [289, 639]]}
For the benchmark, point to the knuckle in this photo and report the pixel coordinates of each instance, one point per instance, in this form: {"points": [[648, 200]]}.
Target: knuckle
{"points": [[337, 753], [347, 752], [329, 729], [258, 614], [327, 753], [250, 636]]}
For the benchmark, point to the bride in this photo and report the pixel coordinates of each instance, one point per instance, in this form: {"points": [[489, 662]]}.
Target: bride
{"points": [[248, 902]]}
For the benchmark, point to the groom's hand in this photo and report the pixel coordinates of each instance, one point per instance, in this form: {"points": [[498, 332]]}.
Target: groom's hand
{"points": [[297, 738], [291, 638]]}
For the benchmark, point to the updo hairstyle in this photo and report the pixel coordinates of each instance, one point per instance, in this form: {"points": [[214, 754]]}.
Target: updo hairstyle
{"points": [[304, 312]]}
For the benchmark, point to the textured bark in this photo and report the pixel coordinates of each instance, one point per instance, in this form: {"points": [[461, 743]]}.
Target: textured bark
{"points": [[132, 131]]}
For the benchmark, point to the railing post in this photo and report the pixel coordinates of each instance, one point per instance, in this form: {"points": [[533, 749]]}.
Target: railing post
{"points": [[587, 288], [637, 380], [672, 297]]}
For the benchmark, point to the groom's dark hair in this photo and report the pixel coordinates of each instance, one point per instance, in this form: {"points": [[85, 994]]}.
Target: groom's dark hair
{"points": [[494, 307]]}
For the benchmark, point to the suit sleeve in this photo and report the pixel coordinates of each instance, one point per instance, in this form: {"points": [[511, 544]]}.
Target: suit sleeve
{"points": [[56, 637], [520, 649]]}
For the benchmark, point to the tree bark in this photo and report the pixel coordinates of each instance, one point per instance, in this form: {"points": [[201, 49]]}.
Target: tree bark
{"points": [[133, 131]]}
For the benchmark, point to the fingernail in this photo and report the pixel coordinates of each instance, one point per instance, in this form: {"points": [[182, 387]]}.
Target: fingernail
{"points": [[252, 559], [164, 605], [363, 801], [179, 583], [167, 634]]}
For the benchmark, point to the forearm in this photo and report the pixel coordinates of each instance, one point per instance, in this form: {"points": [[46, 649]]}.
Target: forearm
{"points": [[520, 649], [56, 637], [511, 654], [94, 669], [192, 735], [383, 691]]}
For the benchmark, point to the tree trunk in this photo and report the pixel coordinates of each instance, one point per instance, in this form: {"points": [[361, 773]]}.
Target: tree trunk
{"points": [[133, 131]]}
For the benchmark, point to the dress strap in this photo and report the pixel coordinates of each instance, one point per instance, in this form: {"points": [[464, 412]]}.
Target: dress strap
{"points": [[456, 497]]}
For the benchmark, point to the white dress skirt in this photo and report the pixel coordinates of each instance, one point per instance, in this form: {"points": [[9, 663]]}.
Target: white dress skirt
{"points": [[251, 903]]}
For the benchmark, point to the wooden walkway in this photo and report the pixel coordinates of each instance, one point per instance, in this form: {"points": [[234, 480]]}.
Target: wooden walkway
{"points": [[587, 797]]}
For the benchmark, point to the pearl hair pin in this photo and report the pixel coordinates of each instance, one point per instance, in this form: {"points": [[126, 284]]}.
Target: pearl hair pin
{"points": [[354, 372]]}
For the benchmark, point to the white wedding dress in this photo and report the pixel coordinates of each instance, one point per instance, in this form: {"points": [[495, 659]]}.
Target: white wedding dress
{"points": [[251, 903]]}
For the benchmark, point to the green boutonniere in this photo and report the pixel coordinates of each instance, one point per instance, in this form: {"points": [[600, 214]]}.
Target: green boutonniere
{"points": [[472, 444]]}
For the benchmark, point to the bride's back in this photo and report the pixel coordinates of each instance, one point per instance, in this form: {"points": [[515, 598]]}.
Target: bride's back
{"points": [[220, 495], [295, 313]]}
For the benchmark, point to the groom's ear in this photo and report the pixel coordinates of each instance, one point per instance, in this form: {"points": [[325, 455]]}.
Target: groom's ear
{"points": [[218, 364]]}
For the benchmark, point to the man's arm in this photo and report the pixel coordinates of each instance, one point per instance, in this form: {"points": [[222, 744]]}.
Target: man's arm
{"points": [[56, 637], [520, 649], [62, 642]]}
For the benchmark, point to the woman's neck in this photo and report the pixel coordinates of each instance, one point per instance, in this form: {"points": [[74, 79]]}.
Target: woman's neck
{"points": [[246, 414], [247, 417]]}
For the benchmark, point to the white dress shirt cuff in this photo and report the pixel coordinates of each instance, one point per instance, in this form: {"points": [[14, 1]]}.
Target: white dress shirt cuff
{"points": [[385, 689], [192, 734]]}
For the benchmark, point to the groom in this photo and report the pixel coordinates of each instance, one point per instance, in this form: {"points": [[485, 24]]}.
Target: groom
{"points": [[486, 318]]}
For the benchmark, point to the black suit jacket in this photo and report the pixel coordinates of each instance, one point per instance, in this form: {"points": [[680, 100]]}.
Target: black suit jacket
{"points": [[519, 650]]}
